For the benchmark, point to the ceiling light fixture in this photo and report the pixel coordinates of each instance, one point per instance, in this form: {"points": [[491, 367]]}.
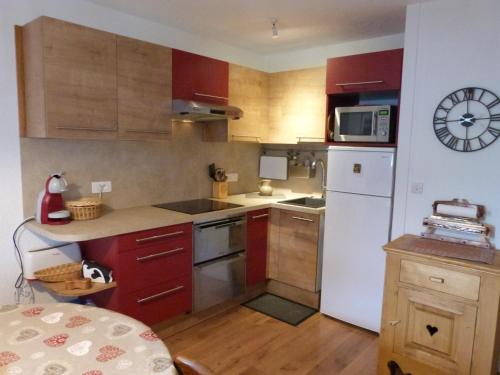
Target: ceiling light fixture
{"points": [[274, 29]]}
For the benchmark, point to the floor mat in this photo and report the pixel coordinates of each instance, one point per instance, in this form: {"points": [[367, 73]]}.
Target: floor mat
{"points": [[280, 308]]}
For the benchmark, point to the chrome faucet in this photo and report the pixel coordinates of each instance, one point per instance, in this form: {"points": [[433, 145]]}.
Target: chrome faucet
{"points": [[323, 174]]}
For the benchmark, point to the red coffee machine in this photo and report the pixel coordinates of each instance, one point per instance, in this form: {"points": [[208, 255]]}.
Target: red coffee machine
{"points": [[50, 204]]}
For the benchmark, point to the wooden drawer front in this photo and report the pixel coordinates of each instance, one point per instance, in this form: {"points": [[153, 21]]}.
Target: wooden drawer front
{"points": [[435, 331], [159, 236], [160, 302], [440, 279], [154, 264]]}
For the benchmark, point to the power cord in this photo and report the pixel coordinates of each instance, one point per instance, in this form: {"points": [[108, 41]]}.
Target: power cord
{"points": [[21, 284]]}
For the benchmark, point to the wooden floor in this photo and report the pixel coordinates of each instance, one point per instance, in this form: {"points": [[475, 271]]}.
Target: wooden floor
{"points": [[242, 341]]}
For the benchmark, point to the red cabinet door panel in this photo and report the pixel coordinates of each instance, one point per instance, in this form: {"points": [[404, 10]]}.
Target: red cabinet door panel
{"points": [[158, 236], [375, 71], [199, 78], [257, 223], [160, 302], [154, 264]]}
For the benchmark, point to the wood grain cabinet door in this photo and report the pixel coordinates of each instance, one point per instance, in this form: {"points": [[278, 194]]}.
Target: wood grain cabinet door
{"points": [[144, 90], [79, 67], [297, 106], [298, 249], [248, 89], [435, 330]]}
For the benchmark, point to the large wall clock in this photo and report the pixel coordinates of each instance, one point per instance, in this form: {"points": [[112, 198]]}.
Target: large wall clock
{"points": [[468, 119]]}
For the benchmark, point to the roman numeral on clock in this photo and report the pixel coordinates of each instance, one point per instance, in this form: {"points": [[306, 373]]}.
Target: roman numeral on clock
{"points": [[469, 93], [494, 103], [482, 143], [443, 132], [467, 146], [494, 132], [454, 98], [452, 142], [441, 120], [495, 117]]}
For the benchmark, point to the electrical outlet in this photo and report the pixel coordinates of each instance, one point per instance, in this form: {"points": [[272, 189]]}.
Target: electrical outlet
{"points": [[101, 187], [417, 187], [232, 177]]}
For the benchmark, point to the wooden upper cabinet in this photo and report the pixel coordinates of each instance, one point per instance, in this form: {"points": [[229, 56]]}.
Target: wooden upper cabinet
{"points": [[248, 90], [375, 71], [144, 90], [70, 80], [297, 106], [199, 78]]}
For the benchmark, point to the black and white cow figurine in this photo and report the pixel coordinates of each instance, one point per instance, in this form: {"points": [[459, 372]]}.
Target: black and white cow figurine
{"points": [[96, 272]]}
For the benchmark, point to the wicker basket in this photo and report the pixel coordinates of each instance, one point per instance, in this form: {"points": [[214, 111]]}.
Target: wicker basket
{"points": [[84, 208], [63, 272]]}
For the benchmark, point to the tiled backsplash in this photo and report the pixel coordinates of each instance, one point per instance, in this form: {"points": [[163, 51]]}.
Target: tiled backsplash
{"points": [[141, 173]]}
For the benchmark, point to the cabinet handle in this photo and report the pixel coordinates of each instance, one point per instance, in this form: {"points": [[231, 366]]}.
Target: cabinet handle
{"points": [[302, 218], [438, 280], [394, 322], [147, 131], [152, 256], [299, 139], [87, 128], [259, 216], [359, 83], [210, 96], [158, 237], [161, 294], [257, 139]]}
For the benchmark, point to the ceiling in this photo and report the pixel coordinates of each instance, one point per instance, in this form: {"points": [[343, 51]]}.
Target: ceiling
{"points": [[247, 23]]}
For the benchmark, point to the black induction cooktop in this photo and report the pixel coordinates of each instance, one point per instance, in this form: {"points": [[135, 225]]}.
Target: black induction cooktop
{"points": [[197, 206]]}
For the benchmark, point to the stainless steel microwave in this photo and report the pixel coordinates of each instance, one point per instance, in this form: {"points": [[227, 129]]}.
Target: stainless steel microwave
{"points": [[363, 124]]}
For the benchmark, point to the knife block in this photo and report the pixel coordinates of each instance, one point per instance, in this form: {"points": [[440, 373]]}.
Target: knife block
{"points": [[220, 189]]}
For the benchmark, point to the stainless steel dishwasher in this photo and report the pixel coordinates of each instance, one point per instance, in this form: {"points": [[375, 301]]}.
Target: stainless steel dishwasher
{"points": [[219, 261]]}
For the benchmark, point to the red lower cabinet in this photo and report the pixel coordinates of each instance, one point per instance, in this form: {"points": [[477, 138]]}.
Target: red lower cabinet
{"points": [[257, 222], [153, 270]]}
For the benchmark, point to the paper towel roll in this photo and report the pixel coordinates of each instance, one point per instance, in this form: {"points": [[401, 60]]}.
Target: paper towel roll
{"points": [[451, 210]]}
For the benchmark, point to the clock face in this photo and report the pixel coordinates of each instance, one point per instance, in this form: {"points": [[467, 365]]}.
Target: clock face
{"points": [[468, 119]]}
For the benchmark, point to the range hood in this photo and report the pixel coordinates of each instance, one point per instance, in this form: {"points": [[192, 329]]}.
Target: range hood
{"points": [[191, 110]]}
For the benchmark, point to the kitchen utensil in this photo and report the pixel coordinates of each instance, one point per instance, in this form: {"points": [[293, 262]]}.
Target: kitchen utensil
{"points": [[220, 175], [211, 171]]}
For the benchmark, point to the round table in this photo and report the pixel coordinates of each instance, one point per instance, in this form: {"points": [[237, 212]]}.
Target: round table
{"points": [[66, 338]]}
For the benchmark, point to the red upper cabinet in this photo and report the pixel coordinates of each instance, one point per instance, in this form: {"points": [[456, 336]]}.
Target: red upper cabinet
{"points": [[200, 78], [375, 71]]}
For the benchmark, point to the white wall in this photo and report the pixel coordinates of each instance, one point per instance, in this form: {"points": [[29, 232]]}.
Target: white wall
{"points": [[317, 56], [449, 45]]}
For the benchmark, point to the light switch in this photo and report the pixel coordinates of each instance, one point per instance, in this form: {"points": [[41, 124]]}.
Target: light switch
{"points": [[232, 177], [417, 187]]}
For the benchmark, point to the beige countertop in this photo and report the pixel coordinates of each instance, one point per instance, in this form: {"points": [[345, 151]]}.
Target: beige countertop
{"points": [[128, 220]]}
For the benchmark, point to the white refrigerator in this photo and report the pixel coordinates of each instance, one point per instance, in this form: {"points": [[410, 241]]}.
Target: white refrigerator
{"points": [[357, 224]]}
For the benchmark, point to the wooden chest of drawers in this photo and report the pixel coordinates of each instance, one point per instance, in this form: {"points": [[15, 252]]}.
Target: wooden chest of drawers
{"points": [[153, 270], [439, 314]]}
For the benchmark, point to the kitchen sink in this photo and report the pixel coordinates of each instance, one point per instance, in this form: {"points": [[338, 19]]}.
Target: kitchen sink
{"points": [[306, 202]]}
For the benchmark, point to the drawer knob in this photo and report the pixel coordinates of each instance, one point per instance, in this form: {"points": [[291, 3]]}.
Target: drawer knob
{"points": [[432, 329], [435, 279]]}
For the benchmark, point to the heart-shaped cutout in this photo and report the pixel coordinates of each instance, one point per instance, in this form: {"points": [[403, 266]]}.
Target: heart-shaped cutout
{"points": [[26, 334], [80, 348], [431, 329], [34, 311]]}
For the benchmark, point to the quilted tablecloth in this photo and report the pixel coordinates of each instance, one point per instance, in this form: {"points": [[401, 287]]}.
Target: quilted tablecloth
{"points": [[65, 338]]}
